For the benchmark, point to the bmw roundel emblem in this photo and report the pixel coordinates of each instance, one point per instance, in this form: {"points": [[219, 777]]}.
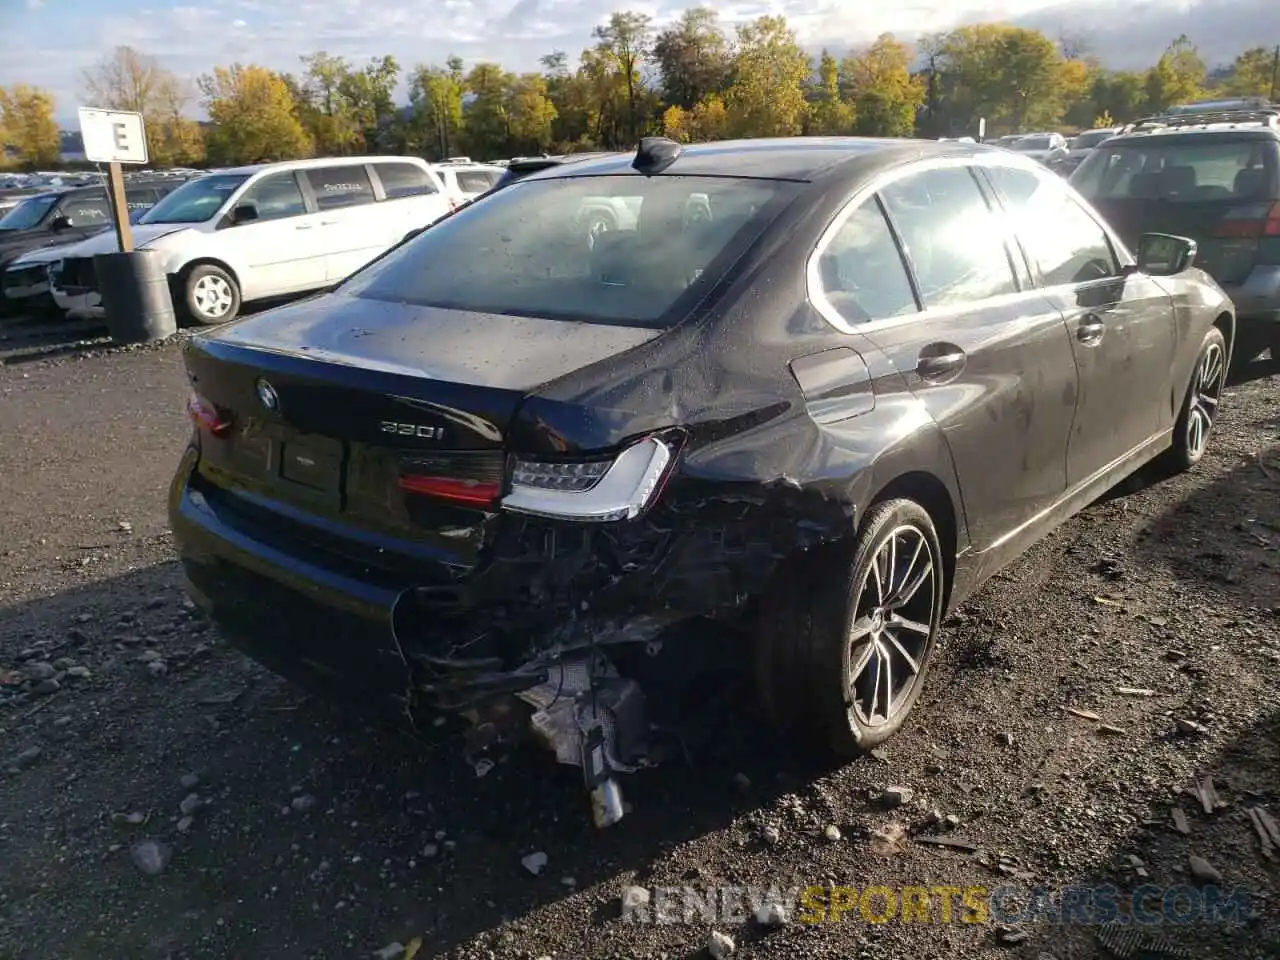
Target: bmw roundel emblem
{"points": [[267, 394]]}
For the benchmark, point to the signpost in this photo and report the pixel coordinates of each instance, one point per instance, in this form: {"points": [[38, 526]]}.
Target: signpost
{"points": [[114, 137]]}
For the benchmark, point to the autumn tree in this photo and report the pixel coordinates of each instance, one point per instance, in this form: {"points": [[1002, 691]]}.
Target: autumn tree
{"points": [[435, 94], [625, 40], [322, 106], [531, 113], [1177, 77], [126, 79], [26, 117], [707, 120], [884, 94], [569, 93], [368, 93], [487, 122], [766, 98], [692, 56], [254, 115], [829, 114], [1031, 75], [1012, 76], [1120, 95], [1255, 73]]}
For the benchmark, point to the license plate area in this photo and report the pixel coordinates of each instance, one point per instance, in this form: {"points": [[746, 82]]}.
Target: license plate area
{"points": [[310, 467]]}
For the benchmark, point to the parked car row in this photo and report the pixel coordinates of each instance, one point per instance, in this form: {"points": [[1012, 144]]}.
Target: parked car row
{"points": [[821, 389], [42, 225], [233, 235]]}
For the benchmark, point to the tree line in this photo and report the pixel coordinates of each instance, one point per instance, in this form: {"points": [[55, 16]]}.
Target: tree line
{"points": [[692, 80]]}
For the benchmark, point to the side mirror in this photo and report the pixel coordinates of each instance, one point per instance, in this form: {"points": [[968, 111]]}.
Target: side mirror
{"points": [[59, 223], [1163, 255], [244, 213]]}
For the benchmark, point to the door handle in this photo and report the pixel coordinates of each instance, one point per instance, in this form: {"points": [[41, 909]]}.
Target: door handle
{"points": [[937, 367], [327, 223], [304, 226], [1090, 329]]}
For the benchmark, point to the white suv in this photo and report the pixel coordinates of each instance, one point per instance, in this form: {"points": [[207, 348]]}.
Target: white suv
{"points": [[250, 233], [465, 180]]}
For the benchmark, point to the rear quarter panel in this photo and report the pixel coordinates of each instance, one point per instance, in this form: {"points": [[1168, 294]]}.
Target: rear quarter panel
{"points": [[753, 439]]}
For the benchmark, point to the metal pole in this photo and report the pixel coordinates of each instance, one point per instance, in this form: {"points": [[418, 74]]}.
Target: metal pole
{"points": [[120, 207]]}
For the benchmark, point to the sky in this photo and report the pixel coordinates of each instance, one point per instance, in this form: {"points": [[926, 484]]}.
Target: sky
{"points": [[49, 43]]}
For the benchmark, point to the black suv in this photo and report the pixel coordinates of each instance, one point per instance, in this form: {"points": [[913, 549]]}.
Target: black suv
{"points": [[67, 215], [1212, 176]]}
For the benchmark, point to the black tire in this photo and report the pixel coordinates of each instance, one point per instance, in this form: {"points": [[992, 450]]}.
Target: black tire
{"points": [[805, 650], [197, 287], [1199, 414]]}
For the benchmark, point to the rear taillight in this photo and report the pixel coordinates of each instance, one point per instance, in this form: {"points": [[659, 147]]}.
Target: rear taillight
{"points": [[475, 493], [1249, 222], [206, 416], [620, 488]]}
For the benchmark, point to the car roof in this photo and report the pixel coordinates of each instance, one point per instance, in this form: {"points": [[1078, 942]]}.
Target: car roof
{"points": [[250, 169], [1194, 134], [783, 158]]}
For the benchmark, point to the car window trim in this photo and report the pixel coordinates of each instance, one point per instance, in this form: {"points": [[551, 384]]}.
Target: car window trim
{"points": [[872, 187]]}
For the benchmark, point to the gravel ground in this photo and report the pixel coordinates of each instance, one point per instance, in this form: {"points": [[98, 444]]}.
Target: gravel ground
{"points": [[170, 799]]}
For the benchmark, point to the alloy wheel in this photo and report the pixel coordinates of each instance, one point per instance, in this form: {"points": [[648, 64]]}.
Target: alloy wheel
{"points": [[892, 626], [1206, 389], [212, 296]]}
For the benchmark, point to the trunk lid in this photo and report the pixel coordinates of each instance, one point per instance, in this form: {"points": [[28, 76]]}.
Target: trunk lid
{"points": [[1226, 259], [354, 415]]}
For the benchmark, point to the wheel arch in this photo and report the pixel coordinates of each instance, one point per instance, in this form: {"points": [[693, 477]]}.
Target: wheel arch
{"points": [[181, 273], [931, 493], [1226, 322]]}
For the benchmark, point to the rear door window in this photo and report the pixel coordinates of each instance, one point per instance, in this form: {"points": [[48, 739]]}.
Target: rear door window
{"points": [[340, 186], [404, 180], [1063, 240], [954, 241], [475, 181], [861, 271], [275, 197], [86, 211], [610, 249], [140, 199], [1221, 169]]}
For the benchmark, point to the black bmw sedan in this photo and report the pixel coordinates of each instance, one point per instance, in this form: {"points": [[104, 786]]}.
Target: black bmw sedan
{"points": [[821, 388]]}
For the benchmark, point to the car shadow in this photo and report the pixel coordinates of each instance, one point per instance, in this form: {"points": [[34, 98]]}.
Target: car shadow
{"points": [[1246, 371], [312, 817]]}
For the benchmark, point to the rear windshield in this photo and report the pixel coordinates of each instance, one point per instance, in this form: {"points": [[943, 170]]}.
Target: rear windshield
{"points": [[1033, 143], [1091, 139], [612, 249], [1189, 172]]}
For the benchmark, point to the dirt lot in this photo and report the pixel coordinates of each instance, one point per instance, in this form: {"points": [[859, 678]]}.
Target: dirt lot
{"points": [[282, 829]]}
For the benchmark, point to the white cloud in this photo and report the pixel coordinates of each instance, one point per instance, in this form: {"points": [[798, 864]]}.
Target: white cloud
{"points": [[190, 39]]}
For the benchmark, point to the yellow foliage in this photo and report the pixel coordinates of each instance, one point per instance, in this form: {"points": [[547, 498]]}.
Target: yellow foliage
{"points": [[770, 70], [26, 117], [254, 114]]}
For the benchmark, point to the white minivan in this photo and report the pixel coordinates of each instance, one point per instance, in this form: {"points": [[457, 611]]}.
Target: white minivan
{"points": [[251, 233]]}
